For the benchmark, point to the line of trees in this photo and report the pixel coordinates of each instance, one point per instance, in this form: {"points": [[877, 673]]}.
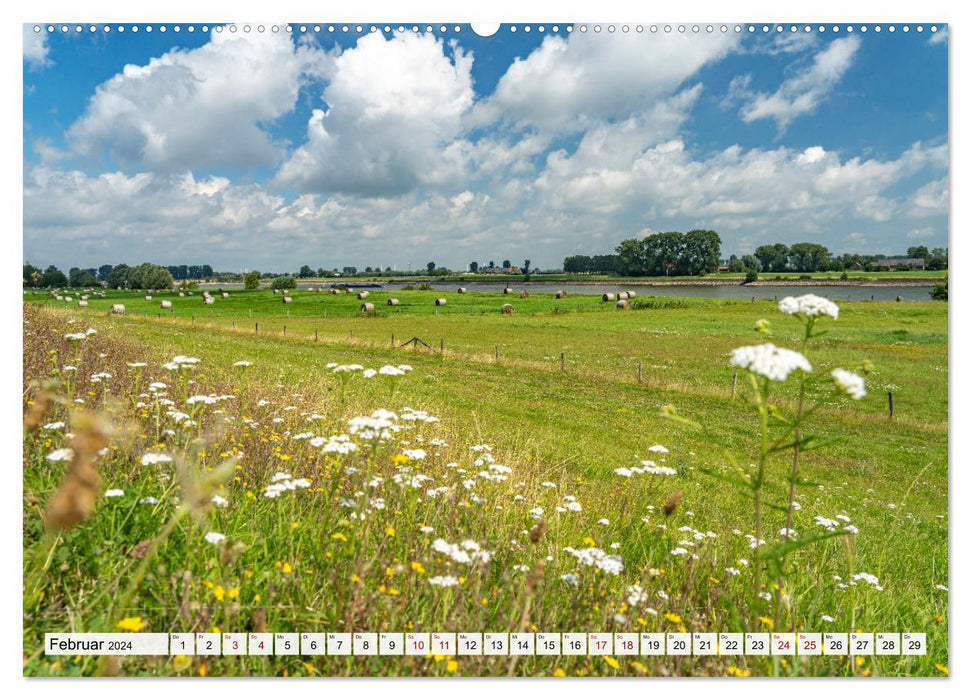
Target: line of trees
{"points": [[696, 252], [814, 257], [144, 276], [124, 276], [592, 264]]}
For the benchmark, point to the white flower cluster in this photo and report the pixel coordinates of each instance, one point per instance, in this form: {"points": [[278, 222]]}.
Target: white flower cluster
{"points": [[466, 553], [648, 467], [868, 578], [154, 458], [378, 426], [591, 556], [341, 444], [412, 415], [283, 482], [809, 305], [180, 361], [769, 361], [850, 383]]}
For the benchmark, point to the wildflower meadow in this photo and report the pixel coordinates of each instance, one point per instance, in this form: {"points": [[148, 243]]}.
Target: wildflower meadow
{"points": [[705, 466]]}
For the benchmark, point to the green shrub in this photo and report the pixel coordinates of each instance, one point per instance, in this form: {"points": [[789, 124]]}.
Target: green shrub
{"points": [[285, 282], [751, 276]]}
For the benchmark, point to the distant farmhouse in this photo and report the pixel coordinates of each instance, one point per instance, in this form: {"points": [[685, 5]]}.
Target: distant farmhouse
{"points": [[894, 263]]}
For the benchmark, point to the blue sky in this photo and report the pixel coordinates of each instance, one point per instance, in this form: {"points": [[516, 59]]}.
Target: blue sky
{"points": [[271, 150]]}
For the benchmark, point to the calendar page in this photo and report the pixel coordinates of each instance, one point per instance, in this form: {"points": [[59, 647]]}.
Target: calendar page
{"points": [[437, 349]]}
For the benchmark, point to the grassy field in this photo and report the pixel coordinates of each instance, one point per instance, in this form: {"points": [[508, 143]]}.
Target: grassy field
{"points": [[576, 393]]}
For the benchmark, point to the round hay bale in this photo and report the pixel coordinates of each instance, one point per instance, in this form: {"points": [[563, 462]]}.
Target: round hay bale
{"points": [[623, 295], [348, 290], [166, 304], [225, 295], [84, 297], [507, 290], [507, 309], [148, 297], [609, 297], [367, 308], [524, 295], [623, 304], [82, 302], [561, 294], [441, 302], [393, 302], [275, 291], [209, 301], [631, 294], [287, 300], [363, 295], [335, 291], [117, 308], [461, 290], [181, 294], [58, 297], [68, 298]]}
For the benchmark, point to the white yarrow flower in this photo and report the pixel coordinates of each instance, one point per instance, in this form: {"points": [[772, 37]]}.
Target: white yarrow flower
{"points": [[851, 383], [769, 361], [809, 305]]}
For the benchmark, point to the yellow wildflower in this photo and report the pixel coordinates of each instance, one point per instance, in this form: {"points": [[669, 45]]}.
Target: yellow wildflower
{"points": [[131, 624]]}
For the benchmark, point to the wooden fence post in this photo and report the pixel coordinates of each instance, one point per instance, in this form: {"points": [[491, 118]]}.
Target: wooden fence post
{"points": [[734, 384], [562, 361], [441, 346], [497, 353], [890, 400], [316, 337], [640, 372]]}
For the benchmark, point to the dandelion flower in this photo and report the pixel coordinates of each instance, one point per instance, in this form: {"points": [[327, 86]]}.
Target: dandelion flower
{"points": [[850, 383], [769, 361], [114, 493], [215, 537], [809, 305]]}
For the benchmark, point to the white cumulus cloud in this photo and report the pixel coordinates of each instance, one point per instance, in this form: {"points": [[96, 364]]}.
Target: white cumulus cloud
{"points": [[203, 107], [574, 82], [36, 49], [802, 93], [394, 107]]}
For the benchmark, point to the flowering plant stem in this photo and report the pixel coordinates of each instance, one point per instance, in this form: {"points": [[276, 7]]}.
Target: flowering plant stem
{"points": [[794, 473]]}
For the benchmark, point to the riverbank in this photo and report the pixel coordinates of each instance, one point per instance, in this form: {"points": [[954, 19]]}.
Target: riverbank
{"points": [[716, 282]]}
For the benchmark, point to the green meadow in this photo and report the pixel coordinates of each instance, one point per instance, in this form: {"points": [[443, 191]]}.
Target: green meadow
{"points": [[415, 528]]}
